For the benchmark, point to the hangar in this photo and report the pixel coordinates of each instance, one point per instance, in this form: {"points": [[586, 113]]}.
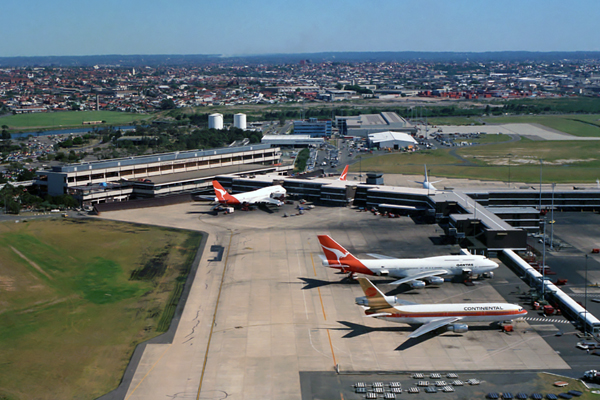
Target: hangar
{"points": [[391, 140]]}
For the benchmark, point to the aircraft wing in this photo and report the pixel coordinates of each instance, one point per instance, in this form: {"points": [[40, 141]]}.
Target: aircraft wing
{"points": [[433, 325], [199, 197], [380, 257], [420, 275], [269, 200], [381, 314], [259, 199]]}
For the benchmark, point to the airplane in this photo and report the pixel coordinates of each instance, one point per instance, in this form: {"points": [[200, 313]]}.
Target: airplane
{"points": [[426, 184], [415, 272], [433, 316], [344, 174], [269, 195]]}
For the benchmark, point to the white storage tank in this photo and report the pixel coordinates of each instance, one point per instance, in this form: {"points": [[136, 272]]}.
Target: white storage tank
{"points": [[215, 121], [239, 121]]}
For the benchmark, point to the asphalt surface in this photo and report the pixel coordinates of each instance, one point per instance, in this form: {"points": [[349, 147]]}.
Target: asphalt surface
{"points": [[266, 316]]}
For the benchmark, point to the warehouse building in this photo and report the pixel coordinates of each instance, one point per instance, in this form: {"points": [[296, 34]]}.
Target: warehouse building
{"points": [[292, 141], [365, 124], [391, 140]]}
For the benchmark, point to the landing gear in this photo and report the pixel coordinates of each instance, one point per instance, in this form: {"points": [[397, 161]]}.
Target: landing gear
{"points": [[351, 277]]}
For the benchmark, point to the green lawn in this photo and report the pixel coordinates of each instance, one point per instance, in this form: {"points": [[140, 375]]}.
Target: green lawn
{"points": [[454, 121], [69, 119], [70, 312], [564, 162], [485, 139], [587, 125]]}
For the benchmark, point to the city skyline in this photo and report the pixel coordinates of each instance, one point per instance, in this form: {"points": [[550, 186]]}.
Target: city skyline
{"points": [[70, 28]]}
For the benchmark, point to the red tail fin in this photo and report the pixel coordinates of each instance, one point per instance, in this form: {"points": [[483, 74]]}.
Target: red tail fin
{"points": [[344, 174], [222, 195], [335, 253]]}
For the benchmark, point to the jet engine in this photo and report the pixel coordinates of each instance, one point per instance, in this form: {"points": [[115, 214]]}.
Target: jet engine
{"points": [[458, 328], [435, 280], [417, 284], [364, 301], [489, 274]]}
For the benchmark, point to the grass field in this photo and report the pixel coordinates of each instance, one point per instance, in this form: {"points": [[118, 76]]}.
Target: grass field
{"points": [[563, 162], [587, 125], [485, 139], [77, 296], [69, 119], [454, 121]]}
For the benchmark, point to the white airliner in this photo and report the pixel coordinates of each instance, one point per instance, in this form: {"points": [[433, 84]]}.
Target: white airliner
{"points": [[433, 316], [415, 272], [344, 174], [426, 184], [269, 195]]}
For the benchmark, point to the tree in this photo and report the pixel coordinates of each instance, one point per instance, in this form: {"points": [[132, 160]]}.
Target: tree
{"points": [[26, 175], [14, 207], [167, 104]]}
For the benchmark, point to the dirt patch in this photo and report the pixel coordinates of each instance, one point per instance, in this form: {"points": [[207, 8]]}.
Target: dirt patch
{"points": [[40, 305], [153, 268], [7, 284], [34, 265], [529, 160]]}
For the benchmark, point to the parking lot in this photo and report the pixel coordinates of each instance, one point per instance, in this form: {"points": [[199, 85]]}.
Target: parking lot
{"points": [[265, 312]]}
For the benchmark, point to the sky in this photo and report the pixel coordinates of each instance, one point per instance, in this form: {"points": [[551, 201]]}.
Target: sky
{"points": [[245, 27]]}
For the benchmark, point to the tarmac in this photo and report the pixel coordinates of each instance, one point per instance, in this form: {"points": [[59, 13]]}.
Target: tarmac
{"points": [[262, 312], [531, 131]]}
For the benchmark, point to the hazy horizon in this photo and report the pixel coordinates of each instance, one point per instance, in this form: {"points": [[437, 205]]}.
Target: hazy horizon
{"points": [[269, 27]]}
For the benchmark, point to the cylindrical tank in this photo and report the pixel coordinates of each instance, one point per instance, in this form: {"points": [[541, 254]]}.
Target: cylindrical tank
{"points": [[215, 121], [239, 121]]}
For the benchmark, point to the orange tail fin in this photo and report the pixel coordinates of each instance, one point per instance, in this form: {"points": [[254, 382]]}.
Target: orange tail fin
{"points": [[220, 193], [344, 174], [335, 253]]}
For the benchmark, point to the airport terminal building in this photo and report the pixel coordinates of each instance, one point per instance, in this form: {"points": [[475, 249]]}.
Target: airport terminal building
{"points": [[481, 220], [155, 175]]}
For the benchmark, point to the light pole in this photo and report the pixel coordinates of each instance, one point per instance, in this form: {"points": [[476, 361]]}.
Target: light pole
{"points": [[509, 156], [552, 220], [426, 126], [544, 262], [585, 300], [541, 165], [359, 169]]}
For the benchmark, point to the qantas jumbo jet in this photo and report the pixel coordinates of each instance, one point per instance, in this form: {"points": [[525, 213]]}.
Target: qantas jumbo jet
{"points": [[269, 195], [433, 316], [414, 271], [344, 174]]}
